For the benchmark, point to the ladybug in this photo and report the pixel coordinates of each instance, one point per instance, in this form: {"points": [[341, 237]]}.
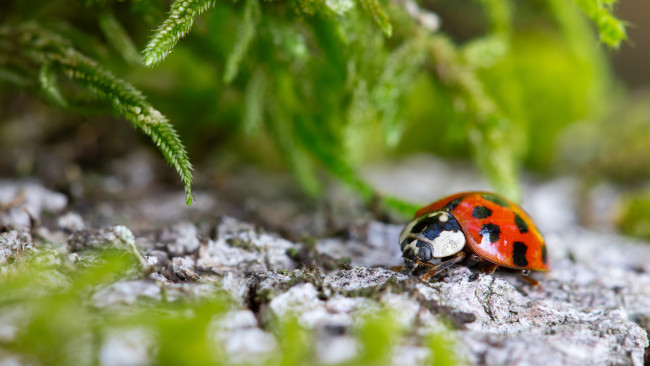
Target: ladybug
{"points": [[482, 226]]}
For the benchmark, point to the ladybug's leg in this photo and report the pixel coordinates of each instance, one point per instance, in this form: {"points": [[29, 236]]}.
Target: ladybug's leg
{"points": [[488, 267], [531, 281], [473, 260], [397, 268], [442, 266]]}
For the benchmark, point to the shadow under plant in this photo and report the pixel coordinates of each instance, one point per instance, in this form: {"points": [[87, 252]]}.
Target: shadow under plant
{"points": [[230, 292]]}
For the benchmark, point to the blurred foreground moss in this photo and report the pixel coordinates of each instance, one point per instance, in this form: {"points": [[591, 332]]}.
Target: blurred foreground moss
{"points": [[51, 306]]}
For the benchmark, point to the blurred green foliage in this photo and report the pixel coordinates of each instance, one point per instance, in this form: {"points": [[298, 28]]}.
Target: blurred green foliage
{"points": [[614, 148], [329, 83], [634, 214], [50, 303]]}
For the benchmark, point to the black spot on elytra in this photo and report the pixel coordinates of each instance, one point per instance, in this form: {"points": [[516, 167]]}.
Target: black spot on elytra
{"points": [[492, 230], [544, 255], [481, 212], [521, 224], [495, 199], [519, 250], [451, 205]]}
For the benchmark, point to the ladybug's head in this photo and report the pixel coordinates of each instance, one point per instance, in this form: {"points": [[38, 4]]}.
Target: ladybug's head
{"points": [[435, 234]]}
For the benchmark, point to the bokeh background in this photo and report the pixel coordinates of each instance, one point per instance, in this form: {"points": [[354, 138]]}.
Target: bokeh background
{"points": [[514, 89]]}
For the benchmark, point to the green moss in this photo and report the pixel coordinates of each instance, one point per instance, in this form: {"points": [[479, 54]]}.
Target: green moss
{"points": [[292, 253], [241, 243], [330, 83], [634, 215]]}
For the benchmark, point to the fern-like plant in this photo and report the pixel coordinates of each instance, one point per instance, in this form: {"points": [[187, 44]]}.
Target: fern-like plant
{"points": [[38, 53], [320, 78]]}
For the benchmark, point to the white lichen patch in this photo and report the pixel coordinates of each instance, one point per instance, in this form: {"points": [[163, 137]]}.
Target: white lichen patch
{"points": [[405, 308], [361, 277], [181, 238], [126, 347], [71, 222], [118, 236], [239, 246], [238, 334], [183, 267], [403, 355], [336, 350], [236, 286], [377, 246], [23, 199], [13, 243], [126, 292], [302, 301]]}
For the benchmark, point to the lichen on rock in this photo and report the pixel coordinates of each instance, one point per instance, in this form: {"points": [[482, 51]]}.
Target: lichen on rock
{"points": [[591, 308]]}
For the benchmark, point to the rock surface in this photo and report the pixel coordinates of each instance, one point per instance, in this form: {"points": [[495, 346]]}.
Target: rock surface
{"points": [[592, 308]]}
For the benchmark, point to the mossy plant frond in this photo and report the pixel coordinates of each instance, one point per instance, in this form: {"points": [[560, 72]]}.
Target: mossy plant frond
{"points": [[400, 69], [442, 349], [486, 51], [359, 116], [329, 86], [178, 23], [376, 11], [486, 124], [13, 77], [499, 15], [49, 52], [282, 128], [255, 94], [50, 87], [119, 38], [245, 36], [611, 29], [378, 332], [148, 10]]}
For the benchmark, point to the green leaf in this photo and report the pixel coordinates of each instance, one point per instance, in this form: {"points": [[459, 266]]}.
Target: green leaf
{"points": [[246, 34], [178, 23]]}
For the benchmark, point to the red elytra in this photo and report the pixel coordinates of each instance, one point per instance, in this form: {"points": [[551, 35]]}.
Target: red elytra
{"points": [[496, 229]]}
